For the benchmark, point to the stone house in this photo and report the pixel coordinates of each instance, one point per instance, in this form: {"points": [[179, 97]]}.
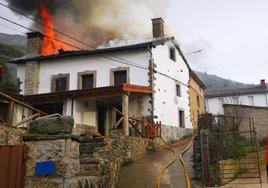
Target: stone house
{"points": [[197, 98], [251, 96], [148, 79]]}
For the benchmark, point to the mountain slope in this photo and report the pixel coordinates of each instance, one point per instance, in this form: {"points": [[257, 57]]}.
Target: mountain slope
{"points": [[19, 42], [214, 82]]}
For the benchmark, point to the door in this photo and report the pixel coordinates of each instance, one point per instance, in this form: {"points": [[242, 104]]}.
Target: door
{"points": [[101, 119]]}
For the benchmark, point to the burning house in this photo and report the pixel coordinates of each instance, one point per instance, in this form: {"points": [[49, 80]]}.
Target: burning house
{"points": [[105, 87]]}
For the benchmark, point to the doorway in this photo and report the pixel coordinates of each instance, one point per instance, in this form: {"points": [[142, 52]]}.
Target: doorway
{"points": [[101, 119]]}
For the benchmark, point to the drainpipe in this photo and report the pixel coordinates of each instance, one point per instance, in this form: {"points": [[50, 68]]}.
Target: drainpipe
{"points": [[151, 80], [72, 108]]}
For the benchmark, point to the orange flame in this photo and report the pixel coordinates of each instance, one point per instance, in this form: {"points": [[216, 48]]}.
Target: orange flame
{"points": [[50, 46]]}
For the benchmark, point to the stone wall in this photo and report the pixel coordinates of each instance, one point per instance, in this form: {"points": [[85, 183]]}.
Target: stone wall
{"points": [[62, 150], [11, 135], [172, 133], [32, 72], [259, 115], [101, 160]]}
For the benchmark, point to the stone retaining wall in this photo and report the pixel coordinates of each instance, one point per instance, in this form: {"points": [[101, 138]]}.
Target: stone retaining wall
{"points": [[11, 135], [172, 133], [63, 151]]}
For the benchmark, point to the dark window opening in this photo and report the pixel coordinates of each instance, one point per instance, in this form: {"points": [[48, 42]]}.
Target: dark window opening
{"points": [[178, 90], [120, 77], [172, 54], [181, 119], [198, 101], [61, 84], [51, 108], [87, 81]]}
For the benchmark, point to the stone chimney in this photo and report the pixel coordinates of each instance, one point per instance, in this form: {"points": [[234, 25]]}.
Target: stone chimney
{"points": [[32, 69], [158, 28], [34, 44], [263, 83]]}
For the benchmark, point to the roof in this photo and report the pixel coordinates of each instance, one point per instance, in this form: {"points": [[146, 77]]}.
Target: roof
{"points": [[67, 54], [101, 92], [259, 89], [245, 106], [195, 77]]}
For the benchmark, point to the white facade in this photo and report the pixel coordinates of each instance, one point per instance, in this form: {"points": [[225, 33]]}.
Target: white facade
{"points": [[168, 74], [215, 105]]}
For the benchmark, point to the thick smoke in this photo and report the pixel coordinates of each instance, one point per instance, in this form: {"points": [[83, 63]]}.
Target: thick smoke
{"points": [[99, 21]]}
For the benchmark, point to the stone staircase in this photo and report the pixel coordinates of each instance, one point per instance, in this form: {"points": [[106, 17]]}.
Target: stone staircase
{"points": [[98, 162]]}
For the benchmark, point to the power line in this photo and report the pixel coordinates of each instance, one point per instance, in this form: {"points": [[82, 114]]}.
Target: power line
{"points": [[124, 61], [3, 18], [62, 33]]}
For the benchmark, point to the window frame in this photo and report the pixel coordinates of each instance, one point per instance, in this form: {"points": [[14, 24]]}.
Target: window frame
{"points": [[181, 125], [178, 92], [172, 54], [79, 78], [59, 76], [112, 77]]}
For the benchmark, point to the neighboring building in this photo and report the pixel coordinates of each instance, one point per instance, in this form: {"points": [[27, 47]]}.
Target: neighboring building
{"points": [[251, 96], [146, 80], [258, 115], [197, 98]]}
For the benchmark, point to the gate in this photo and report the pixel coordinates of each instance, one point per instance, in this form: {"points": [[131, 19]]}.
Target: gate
{"points": [[12, 166], [223, 154]]}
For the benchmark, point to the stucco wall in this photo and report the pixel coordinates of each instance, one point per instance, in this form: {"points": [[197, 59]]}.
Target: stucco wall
{"points": [[214, 106], [101, 65], [194, 91], [167, 103]]}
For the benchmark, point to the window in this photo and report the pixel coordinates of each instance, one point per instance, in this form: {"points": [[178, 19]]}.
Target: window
{"points": [[234, 100], [86, 80], [251, 100], [178, 90], [120, 77], [60, 83], [198, 101], [172, 54], [181, 119]]}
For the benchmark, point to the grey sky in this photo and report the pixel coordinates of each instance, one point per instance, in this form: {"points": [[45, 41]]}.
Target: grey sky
{"points": [[232, 34]]}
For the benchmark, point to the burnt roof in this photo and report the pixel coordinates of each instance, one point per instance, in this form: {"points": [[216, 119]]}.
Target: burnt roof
{"points": [[67, 54], [259, 89]]}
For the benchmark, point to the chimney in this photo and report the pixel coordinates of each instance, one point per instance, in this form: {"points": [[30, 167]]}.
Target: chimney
{"points": [[34, 44], [263, 83], [158, 28]]}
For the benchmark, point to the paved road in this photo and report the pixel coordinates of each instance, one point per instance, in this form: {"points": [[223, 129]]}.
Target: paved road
{"points": [[143, 172]]}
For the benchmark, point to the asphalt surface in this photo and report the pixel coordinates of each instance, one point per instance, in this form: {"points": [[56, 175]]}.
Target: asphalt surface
{"points": [[143, 173]]}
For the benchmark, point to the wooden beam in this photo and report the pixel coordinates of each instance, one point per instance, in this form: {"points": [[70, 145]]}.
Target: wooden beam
{"points": [[10, 112], [21, 103], [27, 119]]}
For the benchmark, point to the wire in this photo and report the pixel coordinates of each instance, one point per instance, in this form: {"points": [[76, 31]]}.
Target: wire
{"points": [[60, 32], [10, 21]]}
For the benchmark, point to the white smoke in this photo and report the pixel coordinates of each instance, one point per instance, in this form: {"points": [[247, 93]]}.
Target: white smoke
{"points": [[98, 22]]}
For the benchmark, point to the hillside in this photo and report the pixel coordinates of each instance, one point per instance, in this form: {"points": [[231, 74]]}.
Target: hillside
{"points": [[214, 82], [9, 82], [17, 41]]}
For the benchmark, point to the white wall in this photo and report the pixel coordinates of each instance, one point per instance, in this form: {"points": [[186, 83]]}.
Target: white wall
{"points": [[214, 106], [167, 104], [21, 76], [93, 63]]}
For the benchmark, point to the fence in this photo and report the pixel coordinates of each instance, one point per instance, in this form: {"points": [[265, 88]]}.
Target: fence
{"points": [[12, 166], [222, 153]]}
